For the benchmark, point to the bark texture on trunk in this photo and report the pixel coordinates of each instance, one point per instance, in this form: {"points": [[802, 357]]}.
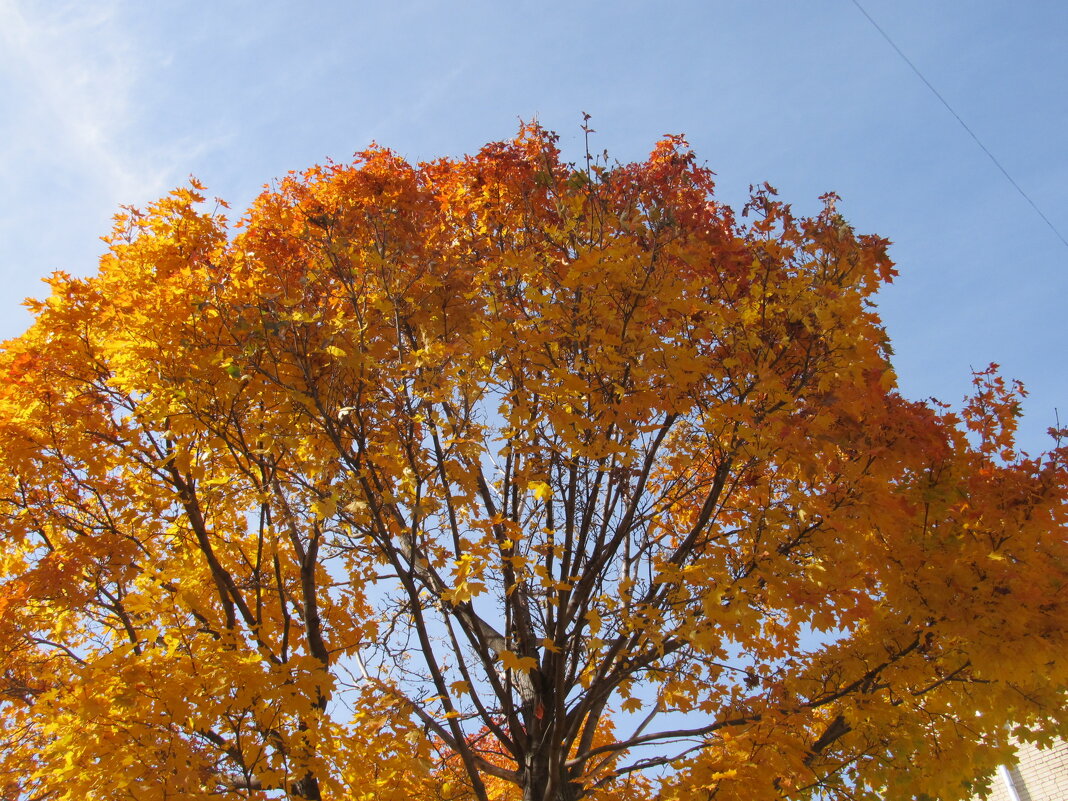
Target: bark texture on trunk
{"points": [[540, 785]]}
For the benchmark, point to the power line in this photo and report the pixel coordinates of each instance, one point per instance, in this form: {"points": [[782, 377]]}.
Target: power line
{"points": [[964, 125]]}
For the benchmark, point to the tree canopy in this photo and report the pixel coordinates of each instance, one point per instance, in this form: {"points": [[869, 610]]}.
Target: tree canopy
{"points": [[498, 478]]}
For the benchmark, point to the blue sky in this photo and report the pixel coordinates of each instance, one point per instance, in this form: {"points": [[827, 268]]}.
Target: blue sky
{"points": [[108, 102]]}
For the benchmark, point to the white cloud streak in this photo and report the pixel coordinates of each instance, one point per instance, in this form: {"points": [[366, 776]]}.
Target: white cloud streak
{"points": [[73, 74]]}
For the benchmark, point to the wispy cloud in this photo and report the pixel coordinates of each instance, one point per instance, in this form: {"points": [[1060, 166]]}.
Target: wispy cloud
{"points": [[74, 72], [76, 140], [76, 77]]}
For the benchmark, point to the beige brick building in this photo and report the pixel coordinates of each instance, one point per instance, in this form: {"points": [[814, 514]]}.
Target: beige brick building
{"points": [[1037, 775]]}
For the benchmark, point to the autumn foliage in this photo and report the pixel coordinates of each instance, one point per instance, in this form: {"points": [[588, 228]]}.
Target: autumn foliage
{"points": [[496, 478]]}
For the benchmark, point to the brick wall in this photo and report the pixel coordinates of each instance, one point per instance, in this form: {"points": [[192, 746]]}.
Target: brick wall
{"points": [[1038, 774]]}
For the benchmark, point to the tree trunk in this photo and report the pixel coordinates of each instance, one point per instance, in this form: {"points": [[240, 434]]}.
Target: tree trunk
{"points": [[540, 785], [307, 788]]}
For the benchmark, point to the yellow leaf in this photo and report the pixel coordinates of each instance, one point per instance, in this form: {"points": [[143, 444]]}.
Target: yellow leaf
{"points": [[324, 507], [594, 618], [515, 662], [542, 491]]}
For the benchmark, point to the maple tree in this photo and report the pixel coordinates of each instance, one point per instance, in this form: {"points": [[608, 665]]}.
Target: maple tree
{"points": [[495, 478]]}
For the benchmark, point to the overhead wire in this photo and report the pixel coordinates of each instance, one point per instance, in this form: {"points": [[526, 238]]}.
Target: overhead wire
{"points": [[964, 125]]}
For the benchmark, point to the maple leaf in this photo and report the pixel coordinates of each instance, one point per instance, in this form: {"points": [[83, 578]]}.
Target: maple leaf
{"points": [[512, 661], [542, 490]]}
